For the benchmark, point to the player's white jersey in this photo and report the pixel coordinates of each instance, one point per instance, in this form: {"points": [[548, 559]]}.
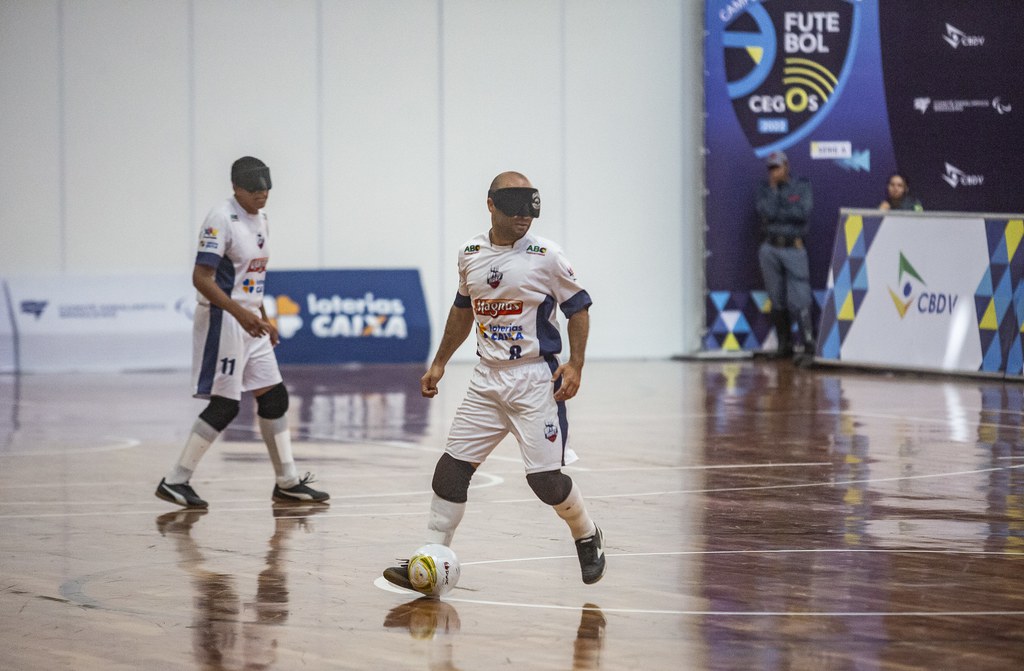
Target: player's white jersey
{"points": [[514, 292], [235, 243]]}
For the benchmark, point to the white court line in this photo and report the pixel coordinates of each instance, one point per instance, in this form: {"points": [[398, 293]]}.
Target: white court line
{"points": [[491, 480], [709, 467], [827, 483], [498, 479], [383, 584], [121, 444]]}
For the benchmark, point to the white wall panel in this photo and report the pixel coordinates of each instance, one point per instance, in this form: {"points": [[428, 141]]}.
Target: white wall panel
{"points": [[625, 192], [30, 170], [126, 166], [255, 93], [381, 155]]}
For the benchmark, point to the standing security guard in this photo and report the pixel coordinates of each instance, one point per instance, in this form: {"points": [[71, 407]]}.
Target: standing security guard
{"points": [[784, 205]]}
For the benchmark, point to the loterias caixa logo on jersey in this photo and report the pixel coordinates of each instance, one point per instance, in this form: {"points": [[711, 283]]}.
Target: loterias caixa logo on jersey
{"points": [[786, 62]]}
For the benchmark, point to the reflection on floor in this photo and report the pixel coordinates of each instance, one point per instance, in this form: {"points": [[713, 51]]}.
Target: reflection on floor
{"points": [[757, 516]]}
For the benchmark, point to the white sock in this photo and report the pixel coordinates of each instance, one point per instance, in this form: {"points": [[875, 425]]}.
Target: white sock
{"points": [[444, 519], [279, 445], [574, 512], [198, 443]]}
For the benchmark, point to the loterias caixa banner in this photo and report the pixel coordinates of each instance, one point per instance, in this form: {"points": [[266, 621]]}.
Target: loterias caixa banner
{"points": [[852, 91]]}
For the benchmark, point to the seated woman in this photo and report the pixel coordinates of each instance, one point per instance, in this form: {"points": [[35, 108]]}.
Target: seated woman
{"points": [[898, 196]]}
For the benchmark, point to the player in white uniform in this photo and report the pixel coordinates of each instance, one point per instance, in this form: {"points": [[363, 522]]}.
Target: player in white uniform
{"points": [[233, 341], [511, 285]]}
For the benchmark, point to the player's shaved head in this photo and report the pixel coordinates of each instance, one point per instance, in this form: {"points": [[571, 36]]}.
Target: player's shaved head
{"points": [[509, 179]]}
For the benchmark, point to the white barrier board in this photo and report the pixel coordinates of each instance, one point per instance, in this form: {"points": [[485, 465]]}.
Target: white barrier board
{"points": [[924, 291], [81, 323]]}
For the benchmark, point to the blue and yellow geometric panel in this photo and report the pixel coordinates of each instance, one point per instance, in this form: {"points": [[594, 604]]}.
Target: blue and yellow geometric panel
{"points": [[999, 298], [741, 320], [849, 282]]}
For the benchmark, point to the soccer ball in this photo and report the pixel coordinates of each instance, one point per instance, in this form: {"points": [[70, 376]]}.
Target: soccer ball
{"points": [[434, 570]]}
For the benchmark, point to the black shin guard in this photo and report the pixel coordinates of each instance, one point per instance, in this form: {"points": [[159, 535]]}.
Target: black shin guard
{"points": [[219, 412], [272, 403], [551, 487], [451, 478]]}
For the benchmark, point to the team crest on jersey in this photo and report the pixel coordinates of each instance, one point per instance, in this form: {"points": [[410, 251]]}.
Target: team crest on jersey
{"points": [[550, 431], [494, 278], [260, 240]]}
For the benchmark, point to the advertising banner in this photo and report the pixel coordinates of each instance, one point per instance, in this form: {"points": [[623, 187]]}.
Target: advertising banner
{"points": [[83, 323], [345, 316], [926, 291], [852, 91]]}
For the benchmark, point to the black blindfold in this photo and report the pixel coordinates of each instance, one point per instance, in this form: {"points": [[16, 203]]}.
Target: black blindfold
{"points": [[252, 179], [517, 201]]}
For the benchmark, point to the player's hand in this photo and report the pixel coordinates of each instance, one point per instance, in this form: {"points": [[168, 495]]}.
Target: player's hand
{"points": [[252, 324], [275, 338], [884, 206], [570, 375], [428, 383]]}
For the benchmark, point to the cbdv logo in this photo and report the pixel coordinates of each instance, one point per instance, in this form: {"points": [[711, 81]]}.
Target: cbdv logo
{"points": [[956, 177], [958, 38], [913, 292]]}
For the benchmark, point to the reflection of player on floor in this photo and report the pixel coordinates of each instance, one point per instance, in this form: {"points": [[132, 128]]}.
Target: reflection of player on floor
{"points": [[233, 341], [589, 639], [511, 283], [428, 619], [223, 638]]}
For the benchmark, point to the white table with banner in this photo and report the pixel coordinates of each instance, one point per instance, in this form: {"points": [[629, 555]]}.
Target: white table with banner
{"points": [[928, 291]]}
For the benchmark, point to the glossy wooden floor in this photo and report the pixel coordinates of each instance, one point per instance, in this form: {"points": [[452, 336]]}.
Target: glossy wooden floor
{"points": [[757, 516]]}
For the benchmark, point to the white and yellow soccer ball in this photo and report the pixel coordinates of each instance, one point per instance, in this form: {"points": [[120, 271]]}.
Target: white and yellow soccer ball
{"points": [[434, 570]]}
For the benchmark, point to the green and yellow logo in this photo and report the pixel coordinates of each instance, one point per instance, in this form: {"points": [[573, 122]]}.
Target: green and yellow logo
{"points": [[909, 282]]}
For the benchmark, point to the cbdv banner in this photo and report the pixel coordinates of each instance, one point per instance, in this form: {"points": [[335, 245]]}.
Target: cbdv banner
{"points": [[346, 316], [852, 91], [926, 291], [804, 77]]}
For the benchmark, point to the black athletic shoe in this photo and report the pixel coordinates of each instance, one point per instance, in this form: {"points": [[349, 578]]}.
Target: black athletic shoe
{"points": [[182, 494], [591, 554], [300, 492], [399, 575]]}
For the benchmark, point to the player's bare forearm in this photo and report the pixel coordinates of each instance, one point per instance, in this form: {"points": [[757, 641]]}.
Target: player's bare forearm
{"points": [[205, 282], [571, 371], [456, 330]]}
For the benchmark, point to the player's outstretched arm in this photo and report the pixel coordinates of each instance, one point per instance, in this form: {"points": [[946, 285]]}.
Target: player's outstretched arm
{"points": [[456, 330], [571, 371]]}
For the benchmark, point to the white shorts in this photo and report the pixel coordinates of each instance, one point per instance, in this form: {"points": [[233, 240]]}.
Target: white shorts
{"points": [[226, 360], [512, 399]]}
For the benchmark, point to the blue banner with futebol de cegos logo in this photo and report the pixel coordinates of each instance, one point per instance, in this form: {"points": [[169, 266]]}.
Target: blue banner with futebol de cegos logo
{"points": [[803, 77], [348, 316], [852, 91]]}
